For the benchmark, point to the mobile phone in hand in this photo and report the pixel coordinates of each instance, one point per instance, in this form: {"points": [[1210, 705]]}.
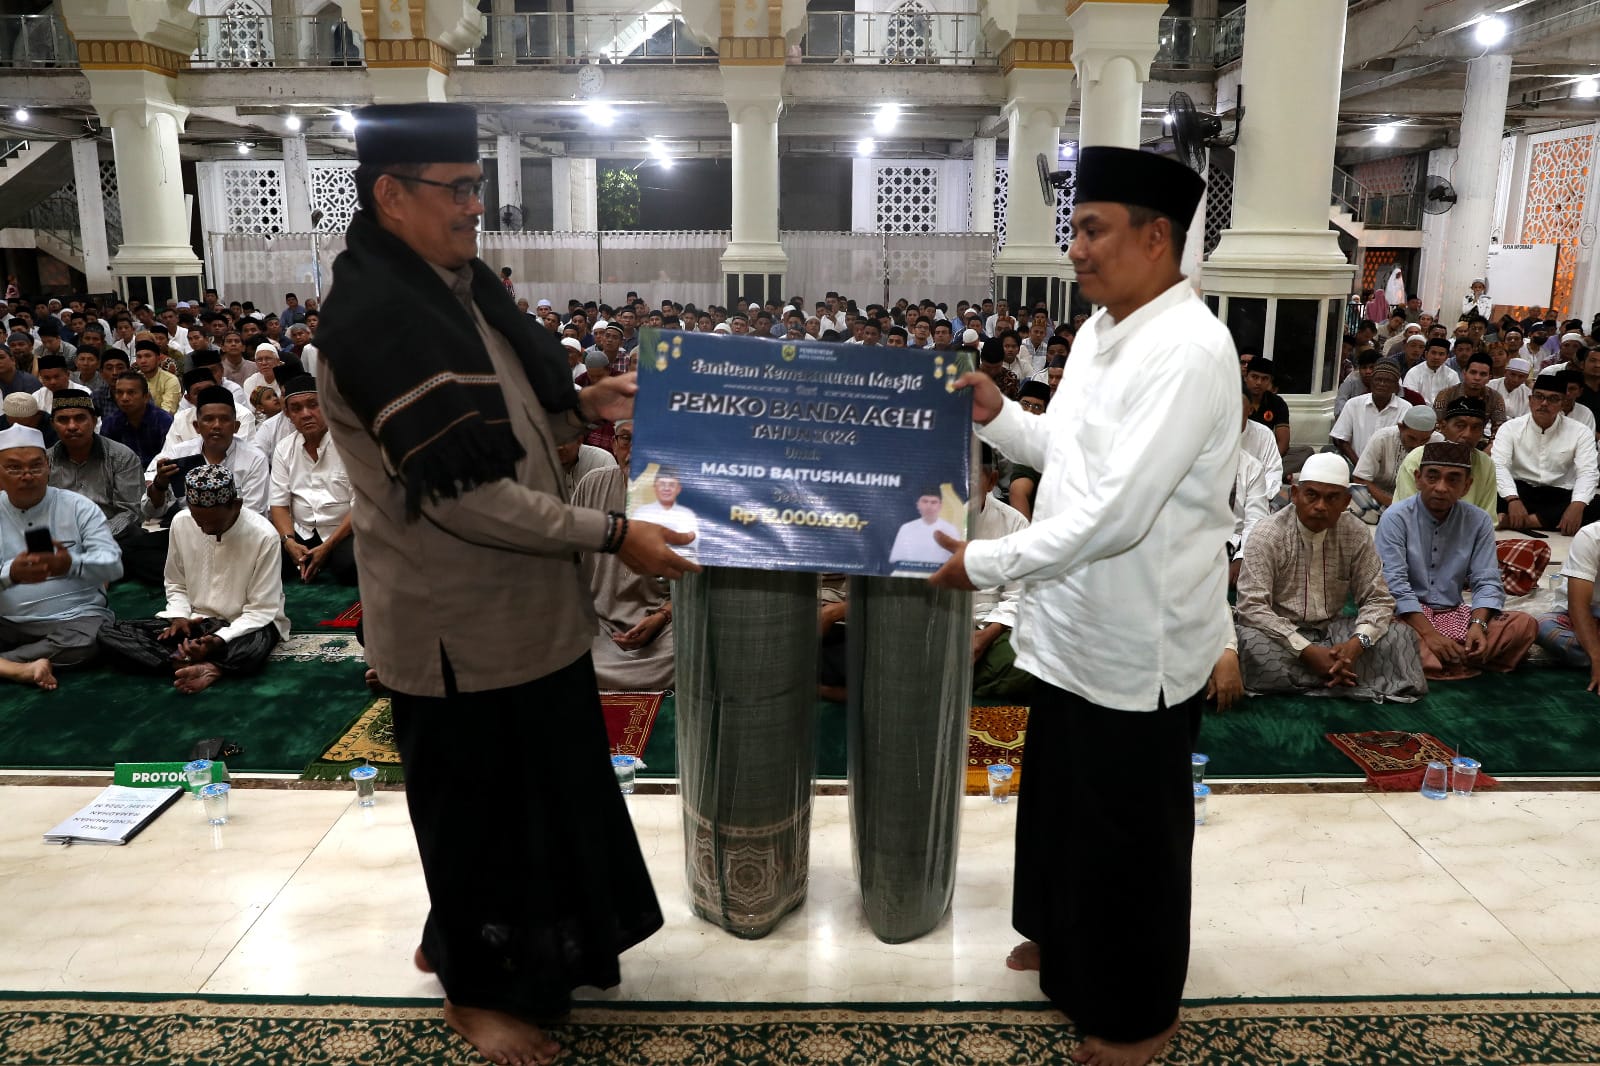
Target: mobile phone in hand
{"points": [[40, 541]]}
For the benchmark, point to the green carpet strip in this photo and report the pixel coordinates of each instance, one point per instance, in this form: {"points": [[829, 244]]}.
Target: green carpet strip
{"points": [[68, 1029]]}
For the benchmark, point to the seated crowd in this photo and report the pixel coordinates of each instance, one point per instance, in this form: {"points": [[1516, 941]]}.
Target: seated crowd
{"points": [[186, 447]]}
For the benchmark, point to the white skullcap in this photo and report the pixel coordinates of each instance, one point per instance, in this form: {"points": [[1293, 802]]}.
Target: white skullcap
{"points": [[268, 346], [969, 337], [1565, 337], [1410, 326], [21, 437], [572, 342], [788, 309], [600, 324], [1326, 468], [753, 307], [1420, 416], [1520, 365], [183, 305], [722, 327], [543, 303], [19, 405]]}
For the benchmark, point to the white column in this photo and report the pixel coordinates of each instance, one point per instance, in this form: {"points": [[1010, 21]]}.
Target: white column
{"points": [[296, 185], [754, 98], [92, 215], [508, 171], [1113, 45], [982, 206], [1280, 198], [584, 194], [1035, 102], [1476, 178]]}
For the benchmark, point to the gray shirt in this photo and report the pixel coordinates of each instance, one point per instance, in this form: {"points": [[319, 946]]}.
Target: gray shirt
{"points": [[112, 477]]}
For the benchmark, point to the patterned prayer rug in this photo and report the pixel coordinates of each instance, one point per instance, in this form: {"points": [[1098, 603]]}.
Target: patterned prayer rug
{"points": [[630, 716], [994, 736], [1394, 761], [348, 618], [75, 1029]]}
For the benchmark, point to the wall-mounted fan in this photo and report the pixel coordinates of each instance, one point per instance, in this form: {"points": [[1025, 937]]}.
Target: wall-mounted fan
{"points": [[1051, 180], [1438, 195], [1193, 131], [511, 217]]}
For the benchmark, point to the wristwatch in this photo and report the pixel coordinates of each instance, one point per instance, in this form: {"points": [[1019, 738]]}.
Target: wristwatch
{"points": [[1365, 641], [1483, 624]]}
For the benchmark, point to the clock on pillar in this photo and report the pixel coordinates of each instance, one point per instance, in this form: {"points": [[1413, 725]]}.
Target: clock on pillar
{"points": [[591, 80]]}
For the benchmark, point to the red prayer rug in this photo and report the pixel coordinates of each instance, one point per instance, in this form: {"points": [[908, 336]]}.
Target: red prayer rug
{"points": [[630, 716], [994, 737], [348, 618], [1395, 761]]}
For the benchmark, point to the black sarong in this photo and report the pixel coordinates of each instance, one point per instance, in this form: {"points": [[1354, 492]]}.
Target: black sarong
{"points": [[534, 873], [1105, 831]]}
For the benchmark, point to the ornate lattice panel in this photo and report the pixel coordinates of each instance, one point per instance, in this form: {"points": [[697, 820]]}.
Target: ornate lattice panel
{"points": [[1064, 200], [908, 36], [252, 198], [1002, 198], [333, 192], [242, 35], [907, 199], [1375, 264], [1219, 205], [1396, 176], [1558, 183], [112, 201]]}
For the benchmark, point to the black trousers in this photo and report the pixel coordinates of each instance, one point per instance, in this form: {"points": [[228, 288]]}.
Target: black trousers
{"points": [[535, 878], [144, 556], [1105, 832], [1548, 503], [339, 566], [135, 645]]}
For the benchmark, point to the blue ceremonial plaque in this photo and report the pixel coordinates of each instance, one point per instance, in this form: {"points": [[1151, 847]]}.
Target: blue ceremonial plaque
{"points": [[779, 455]]}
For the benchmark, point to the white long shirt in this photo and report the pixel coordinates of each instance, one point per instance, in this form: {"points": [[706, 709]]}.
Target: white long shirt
{"points": [[1516, 400], [316, 491], [244, 460], [46, 398], [236, 578], [1562, 456], [1429, 382], [998, 604], [1124, 568], [1360, 419], [1251, 501], [1260, 442]]}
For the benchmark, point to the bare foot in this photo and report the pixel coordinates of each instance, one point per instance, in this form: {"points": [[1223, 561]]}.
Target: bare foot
{"points": [[420, 961], [377, 687], [502, 1038], [1025, 956], [1097, 1052], [37, 673], [192, 679]]}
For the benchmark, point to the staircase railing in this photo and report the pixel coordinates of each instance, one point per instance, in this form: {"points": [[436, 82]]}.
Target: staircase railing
{"points": [[1349, 194], [9, 148], [57, 216]]}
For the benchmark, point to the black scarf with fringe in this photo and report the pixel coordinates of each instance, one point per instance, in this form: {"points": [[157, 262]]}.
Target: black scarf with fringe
{"points": [[411, 364]]}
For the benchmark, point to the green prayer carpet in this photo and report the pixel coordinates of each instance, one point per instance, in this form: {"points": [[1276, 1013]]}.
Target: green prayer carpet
{"points": [[282, 717]]}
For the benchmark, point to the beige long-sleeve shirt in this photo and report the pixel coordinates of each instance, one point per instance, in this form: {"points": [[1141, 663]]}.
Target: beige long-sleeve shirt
{"points": [[489, 578], [1292, 577]]}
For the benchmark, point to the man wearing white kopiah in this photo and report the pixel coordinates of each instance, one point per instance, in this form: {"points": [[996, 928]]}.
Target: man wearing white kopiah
{"points": [[915, 542], [1124, 564], [667, 511]]}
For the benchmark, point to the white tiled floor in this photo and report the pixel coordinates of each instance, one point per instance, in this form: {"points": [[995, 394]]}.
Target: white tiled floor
{"points": [[304, 893]]}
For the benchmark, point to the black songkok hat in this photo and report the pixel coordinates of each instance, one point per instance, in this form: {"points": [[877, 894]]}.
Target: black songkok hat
{"points": [[298, 385], [215, 394], [1466, 405], [203, 357], [1550, 381], [198, 376], [62, 399], [1138, 179], [1039, 390], [387, 134], [1445, 453], [52, 362]]}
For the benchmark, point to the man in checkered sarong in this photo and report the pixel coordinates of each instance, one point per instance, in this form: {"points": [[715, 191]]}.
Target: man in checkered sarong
{"points": [[1300, 567], [1433, 545]]}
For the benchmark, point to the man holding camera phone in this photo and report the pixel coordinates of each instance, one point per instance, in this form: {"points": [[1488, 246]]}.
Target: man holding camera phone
{"points": [[56, 555]]}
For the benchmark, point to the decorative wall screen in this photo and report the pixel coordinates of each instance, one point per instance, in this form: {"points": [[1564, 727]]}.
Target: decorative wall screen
{"points": [[252, 198], [1002, 198], [113, 203], [1558, 184], [1375, 264], [333, 192], [1219, 205], [1002, 202], [242, 35], [906, 199], [1397, 176], [909, 36], [1064, 201]]}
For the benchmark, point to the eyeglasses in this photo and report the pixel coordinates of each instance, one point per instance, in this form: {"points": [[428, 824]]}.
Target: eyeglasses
{"points": [[461, 190], [34, 470], [1032, 405], [1547, 399]]}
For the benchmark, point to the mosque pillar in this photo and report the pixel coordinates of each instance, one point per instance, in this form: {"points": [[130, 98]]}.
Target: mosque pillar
{"points": [[754, 264], [296, 185], [1476, 177], [1113, 45], [411, 47], [1028, 269], [92, 215], [981, 219], [131, 64], [1278, 278], [575, 195], [508, 174]]}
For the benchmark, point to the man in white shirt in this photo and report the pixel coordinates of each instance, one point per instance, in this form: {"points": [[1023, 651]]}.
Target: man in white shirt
{"points": [[667, 511], [1365, 415], [1259, 441], [1431, 377], [916, 542], [1513, 388], [1545, 465], [224, 611], [1379, 466], [994, 611], [1573, 634], [53, 375], [311, 493], [1124, 607]]}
